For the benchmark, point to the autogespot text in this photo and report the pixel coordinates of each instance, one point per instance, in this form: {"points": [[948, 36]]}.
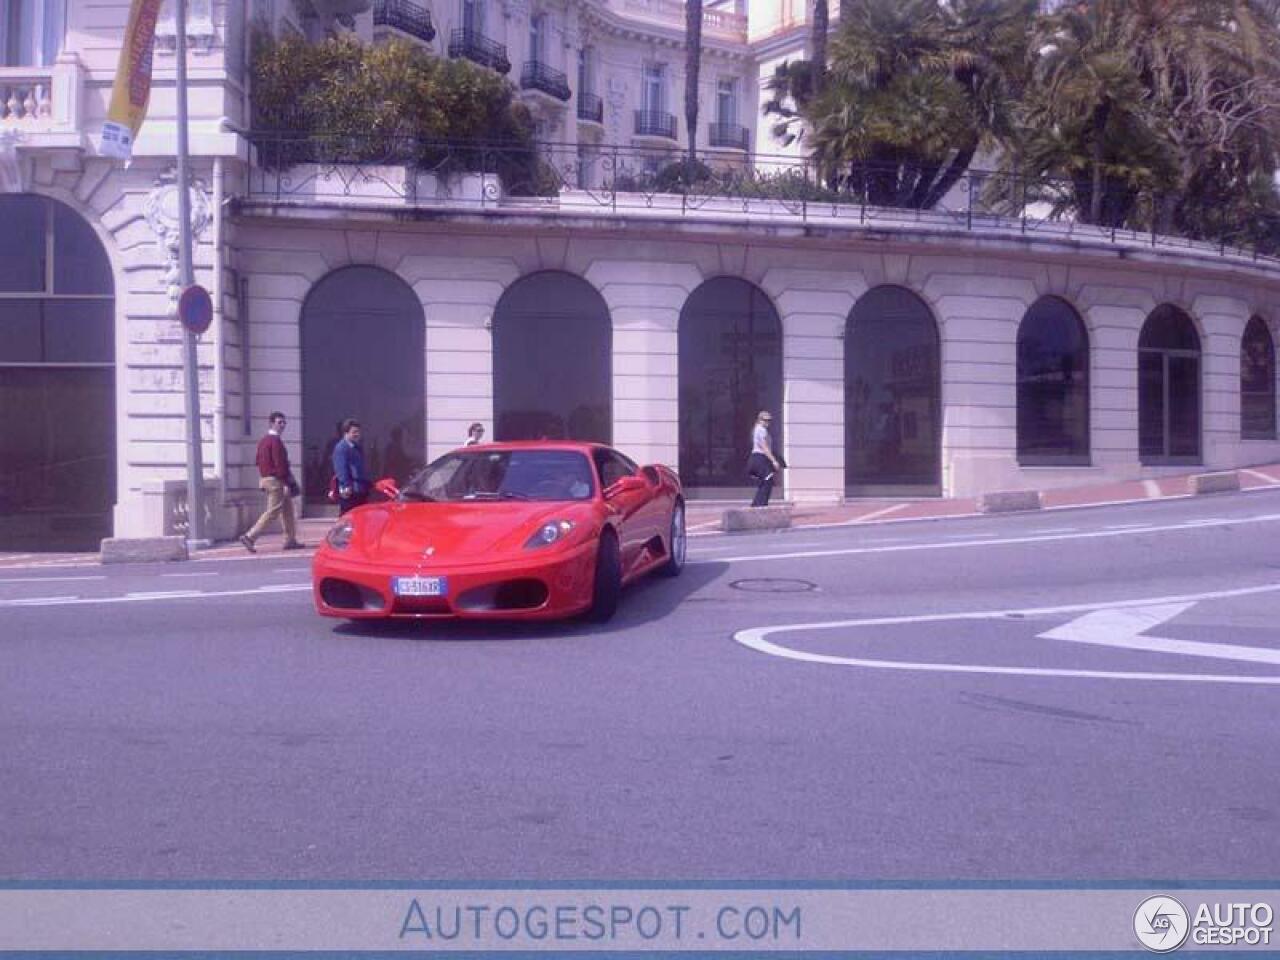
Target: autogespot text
{"points": [[482, 924]]}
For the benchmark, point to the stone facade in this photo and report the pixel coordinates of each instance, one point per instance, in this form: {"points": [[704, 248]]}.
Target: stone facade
{"points": [[261, 257]]}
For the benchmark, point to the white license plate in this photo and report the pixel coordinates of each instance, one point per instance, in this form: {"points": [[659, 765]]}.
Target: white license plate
{"points": [[420, 586]]}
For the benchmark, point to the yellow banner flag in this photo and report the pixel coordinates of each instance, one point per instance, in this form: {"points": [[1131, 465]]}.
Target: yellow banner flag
{"points": [[132, 89]]}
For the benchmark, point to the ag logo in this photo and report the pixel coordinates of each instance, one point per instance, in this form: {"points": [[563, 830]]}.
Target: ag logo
{"points": [[1161, 924]]}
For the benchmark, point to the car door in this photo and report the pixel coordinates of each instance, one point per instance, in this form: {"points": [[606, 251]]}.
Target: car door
{"points": [[627, 505]]}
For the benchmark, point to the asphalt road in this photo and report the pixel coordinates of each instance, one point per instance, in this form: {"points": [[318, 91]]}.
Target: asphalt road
{"points": [[913, 721]]}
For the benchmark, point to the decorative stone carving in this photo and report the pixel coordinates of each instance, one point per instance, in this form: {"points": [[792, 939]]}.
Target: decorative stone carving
{"points": [[201, 32], [327, 17], [617, 100], [515, 9], [161, 212], [13, 167]]}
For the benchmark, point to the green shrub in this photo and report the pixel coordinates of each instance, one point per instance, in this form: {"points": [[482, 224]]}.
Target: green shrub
{"points": [[342, 101]]}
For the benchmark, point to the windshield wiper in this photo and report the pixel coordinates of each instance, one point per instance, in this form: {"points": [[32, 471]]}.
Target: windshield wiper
{"points": [[416, 496], [495, 495]]}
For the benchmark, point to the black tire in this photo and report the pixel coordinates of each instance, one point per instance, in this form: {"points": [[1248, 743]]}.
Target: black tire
{"points": [[608, 579], [677, 542]]}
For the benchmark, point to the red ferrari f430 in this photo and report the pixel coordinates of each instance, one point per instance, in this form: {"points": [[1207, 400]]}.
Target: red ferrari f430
{"points": [[507, 531]]}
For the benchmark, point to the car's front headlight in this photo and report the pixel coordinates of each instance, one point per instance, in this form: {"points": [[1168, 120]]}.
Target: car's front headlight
{"points": [[339, 535], [549, 533]]}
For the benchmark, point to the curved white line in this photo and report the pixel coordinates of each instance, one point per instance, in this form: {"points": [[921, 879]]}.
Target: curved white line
{"points": [[957, 544], [756, 638]]}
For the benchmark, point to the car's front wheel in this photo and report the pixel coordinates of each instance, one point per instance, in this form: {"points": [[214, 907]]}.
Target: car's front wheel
{"points": [[677, 543], [608, 579]]}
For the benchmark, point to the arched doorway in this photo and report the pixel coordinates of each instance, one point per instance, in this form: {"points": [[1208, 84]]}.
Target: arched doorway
{"points": [[363, 342], [57, 379], [552, 361], [1168, 388], [1053, 385], [892, 396], [730, 368], [1257, 382]]}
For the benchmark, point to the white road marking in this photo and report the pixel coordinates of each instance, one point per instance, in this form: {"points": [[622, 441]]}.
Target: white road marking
{"points": [[1126, 526], [211, 573], [1259, 475], [47, 579], [756, 638], [883, 512], [37, 601], [958, 544], [176, 595], [1152, 488], [1126, 628], [1059, 530]]}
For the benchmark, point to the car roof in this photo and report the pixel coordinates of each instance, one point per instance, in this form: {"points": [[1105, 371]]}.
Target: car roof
{"points": [[576, 446]]}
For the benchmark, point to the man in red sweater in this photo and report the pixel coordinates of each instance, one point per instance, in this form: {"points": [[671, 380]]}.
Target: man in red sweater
{"points": [[278, 483]]}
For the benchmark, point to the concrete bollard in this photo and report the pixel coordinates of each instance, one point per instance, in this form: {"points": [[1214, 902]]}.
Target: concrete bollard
{"points": [[742, 519], [1009, 501], [143, 549], [1224, 482]]}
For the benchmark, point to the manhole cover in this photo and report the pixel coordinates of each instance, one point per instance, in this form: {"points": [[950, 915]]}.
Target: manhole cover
{"points": [[774, 585]]}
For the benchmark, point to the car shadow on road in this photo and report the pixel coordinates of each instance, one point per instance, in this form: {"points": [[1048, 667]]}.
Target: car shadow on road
{"points": [[649, 600]]}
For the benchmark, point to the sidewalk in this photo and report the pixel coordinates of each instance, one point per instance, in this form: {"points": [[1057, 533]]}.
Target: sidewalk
{"points": [[704, 516]]}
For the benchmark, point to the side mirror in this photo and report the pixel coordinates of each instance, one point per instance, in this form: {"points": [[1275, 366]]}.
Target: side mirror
{"points": [[625, 485], [387, 487], [651, 474]]}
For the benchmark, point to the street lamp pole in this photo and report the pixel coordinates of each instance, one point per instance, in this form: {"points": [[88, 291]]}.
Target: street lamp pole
{"points": [[195, 464]]}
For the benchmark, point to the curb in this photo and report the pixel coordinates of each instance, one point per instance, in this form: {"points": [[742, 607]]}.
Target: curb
{"points": [[143, 550]]}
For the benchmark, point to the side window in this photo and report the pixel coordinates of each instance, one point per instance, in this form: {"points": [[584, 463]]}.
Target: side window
{"points": [[613, 467]]}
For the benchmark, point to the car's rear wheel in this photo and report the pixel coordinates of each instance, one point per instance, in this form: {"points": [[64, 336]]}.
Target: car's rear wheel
{"points": [[608, 579], [677, 543]]}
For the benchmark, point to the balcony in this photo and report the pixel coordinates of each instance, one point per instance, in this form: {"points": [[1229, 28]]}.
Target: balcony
{"points": [[590, 108], [538, 76], [722, 24], [44, 105], [405, 16], [652, 123], [476, 47], [728, 135]]}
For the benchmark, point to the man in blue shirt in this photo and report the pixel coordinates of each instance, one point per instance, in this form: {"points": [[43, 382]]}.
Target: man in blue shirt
{"points": [[348, 468]]}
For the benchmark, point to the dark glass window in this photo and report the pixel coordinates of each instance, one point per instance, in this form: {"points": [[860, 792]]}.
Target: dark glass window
{"points": [[1053, 385], [893, 396], [730, 369], [1257, 382], [57, 385], [1168, 388], [552, 361], [24, 243], [363, 356], [612, 467], [79, 265]]}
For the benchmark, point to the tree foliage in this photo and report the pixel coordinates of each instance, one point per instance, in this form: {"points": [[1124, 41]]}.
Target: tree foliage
{"points": [[386, 101], [1153, 114]]}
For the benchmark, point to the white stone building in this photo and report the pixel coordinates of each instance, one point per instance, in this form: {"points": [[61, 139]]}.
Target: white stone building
{"points": [[901, 353]]}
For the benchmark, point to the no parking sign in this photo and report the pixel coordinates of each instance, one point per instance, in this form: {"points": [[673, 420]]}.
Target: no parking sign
{"points": [[195, 309]]}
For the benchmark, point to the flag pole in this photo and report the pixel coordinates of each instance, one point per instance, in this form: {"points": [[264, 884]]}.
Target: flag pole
{"points": [[195, 465]]}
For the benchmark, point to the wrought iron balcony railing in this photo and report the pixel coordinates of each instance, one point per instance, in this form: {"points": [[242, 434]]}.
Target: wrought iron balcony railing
{"points": [[294, 167], [405, 16], [476, 47], [539, 76], [729, 135], [590, 108], [652, 123]]}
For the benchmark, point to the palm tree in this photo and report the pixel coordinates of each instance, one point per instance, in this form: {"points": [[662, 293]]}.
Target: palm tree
{"points": [[692, 68], [818, 40]]}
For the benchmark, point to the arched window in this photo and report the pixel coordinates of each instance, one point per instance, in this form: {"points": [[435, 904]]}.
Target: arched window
{"points": [[730, 369], [1053, 385], [1169, 388], [1257, 382], [893, 396], [552, 361], [363, 343], [57, 379]]}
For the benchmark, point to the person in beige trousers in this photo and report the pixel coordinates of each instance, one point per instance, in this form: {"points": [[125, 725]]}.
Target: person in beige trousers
{"points": [[278, 484]]}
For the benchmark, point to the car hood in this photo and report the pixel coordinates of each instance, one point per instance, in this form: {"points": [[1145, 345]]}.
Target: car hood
{"points": [[454, 531]]}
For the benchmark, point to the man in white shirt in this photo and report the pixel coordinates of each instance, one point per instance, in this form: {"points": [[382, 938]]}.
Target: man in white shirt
{"points": [[763, 465]]}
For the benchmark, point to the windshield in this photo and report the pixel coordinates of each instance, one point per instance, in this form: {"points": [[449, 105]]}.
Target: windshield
{"points": [[503, 475]]}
